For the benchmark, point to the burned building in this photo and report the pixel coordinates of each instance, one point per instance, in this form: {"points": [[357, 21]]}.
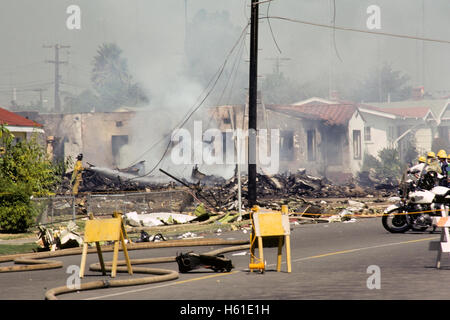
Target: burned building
{"points": [[99, 136], [315, 137]]}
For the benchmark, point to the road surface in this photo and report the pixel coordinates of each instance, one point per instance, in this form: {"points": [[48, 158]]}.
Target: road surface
{"points": [[330, 261]]}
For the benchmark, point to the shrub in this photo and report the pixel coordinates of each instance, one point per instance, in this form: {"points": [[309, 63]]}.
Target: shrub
{"points": [[17, 212], [24, 171]]}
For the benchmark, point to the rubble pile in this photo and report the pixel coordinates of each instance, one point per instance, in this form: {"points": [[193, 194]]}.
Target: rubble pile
{"points": [[98, 182], [221, 195], [291, 187]]}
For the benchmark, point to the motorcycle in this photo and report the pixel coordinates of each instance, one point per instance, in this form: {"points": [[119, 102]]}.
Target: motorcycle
{"points": [[418, 202]]}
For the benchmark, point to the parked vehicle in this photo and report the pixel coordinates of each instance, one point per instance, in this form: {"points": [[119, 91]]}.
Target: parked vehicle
{"points": [[418, 202]]}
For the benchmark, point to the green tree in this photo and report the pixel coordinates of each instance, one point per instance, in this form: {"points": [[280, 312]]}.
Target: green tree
{"points": [[382, 85], [387, 167], [24, 171], [277, 88], [112, 81], [86, 101]]}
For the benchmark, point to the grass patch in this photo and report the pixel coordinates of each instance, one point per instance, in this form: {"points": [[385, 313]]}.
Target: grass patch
{"points": [[17, 248], [14, 236]]}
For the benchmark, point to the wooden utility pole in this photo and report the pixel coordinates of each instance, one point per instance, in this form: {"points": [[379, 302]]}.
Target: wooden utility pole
{"points": [[252, 103], [57, 62]]}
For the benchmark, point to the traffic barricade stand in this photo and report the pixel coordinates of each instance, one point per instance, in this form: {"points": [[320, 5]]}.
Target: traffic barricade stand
{"points": [[105, 230], [269, 224], [443, 245]]}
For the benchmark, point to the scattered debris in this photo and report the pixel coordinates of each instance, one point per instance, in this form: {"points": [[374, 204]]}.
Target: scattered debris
{"points": [[145, 237], [156, 219], [190, 261], [190, 235], [61, 238]]}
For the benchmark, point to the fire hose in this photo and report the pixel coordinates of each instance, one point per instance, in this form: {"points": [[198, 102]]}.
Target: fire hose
{"points": [[34, 261]]}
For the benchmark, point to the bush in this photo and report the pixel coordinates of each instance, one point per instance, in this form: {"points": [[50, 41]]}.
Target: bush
{"points": [[388, 168], [24, 171], [17, 212]]}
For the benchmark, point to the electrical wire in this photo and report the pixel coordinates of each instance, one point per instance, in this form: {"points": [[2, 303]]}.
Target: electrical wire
{"points": [[394, 35], [214, 81], [270, 28], [334, 31]]}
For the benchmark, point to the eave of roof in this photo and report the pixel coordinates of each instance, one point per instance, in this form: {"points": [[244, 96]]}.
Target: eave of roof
{"points": [[9, 118]]}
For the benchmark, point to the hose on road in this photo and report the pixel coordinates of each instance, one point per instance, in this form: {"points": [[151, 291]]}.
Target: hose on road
{"points": [[34, 261]]}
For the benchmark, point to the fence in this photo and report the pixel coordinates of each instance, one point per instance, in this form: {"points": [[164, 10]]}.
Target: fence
{"points": [[63, 208]]}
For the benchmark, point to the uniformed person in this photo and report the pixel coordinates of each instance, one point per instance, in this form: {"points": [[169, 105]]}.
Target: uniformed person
{"points": [[77, 174]]}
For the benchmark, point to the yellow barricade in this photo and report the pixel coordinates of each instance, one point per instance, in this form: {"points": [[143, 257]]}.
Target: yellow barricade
{"points": [[270, 224], [105, 230]]}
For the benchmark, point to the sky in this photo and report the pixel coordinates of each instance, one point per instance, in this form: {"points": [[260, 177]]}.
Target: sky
{"points": [[161, 50], [152, 34]]}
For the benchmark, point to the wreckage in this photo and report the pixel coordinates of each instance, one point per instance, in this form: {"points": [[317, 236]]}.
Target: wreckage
{"points": [[219, 194], [60, 238]]}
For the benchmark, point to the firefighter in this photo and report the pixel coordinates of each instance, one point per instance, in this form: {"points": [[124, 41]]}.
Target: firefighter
{"points": [[433, 164], [448, 169], [422, 159], [442, 156], [77, 174]]}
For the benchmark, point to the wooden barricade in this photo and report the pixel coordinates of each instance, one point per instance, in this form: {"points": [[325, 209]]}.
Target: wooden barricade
{"points": [[270, 224], [105, 230]]}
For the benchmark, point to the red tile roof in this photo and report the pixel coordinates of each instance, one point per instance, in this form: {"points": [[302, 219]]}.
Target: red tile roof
{"points": [[332, 114], [407, 112], [12, 119]]}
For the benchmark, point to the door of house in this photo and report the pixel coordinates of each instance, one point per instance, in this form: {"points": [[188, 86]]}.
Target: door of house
{"points": [[117, 142]]}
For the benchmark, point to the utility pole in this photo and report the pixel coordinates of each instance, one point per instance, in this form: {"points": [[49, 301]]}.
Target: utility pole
{"points": [[252, 103], [57, 62], [41, 100]]}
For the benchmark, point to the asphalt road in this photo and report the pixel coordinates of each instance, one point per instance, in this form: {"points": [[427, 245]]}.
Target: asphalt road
{"points": [[329, 262]]}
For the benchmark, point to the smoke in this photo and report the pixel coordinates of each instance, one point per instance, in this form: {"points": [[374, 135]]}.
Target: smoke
{"points": [[175, 66]]}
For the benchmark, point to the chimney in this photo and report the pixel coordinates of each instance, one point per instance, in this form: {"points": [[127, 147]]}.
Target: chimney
{"points": [[334, 95], [418, 93]]}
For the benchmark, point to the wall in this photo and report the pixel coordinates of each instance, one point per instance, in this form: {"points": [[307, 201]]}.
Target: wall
{"points": [[87, 133]]}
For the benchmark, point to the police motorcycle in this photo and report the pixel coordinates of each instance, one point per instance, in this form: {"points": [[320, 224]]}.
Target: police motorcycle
{"points": [[418, 202]]}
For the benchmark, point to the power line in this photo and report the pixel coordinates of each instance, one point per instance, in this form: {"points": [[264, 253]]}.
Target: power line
{"points": [[395, 35], [57, 62], [212, 82]]}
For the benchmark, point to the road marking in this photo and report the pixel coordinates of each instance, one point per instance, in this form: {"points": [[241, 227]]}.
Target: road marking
{"points": [[163, 285], [361, 249], [234, 272]]}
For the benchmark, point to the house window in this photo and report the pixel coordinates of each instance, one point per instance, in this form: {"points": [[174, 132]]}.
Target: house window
{"points": [[227, 120], [228, 146], [367, 136], [311, 144], [357, 144], [287, 145]]}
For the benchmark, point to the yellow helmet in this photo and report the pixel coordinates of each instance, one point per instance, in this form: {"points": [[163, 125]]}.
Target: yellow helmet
{"points": [[442, 154], [431, 154], [422, 159]]}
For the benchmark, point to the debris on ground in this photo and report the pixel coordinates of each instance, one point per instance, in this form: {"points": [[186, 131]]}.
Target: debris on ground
{"points": [[145, 237], [156, 219], [61, 238], [190, 261]]}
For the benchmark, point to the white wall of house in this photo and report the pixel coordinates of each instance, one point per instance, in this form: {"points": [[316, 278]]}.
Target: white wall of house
{"points": [[356, 146], [382, 133], [424, 138]]}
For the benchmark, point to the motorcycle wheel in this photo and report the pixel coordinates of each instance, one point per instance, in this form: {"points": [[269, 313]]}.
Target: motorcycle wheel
{"points": [[395, 221]]}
